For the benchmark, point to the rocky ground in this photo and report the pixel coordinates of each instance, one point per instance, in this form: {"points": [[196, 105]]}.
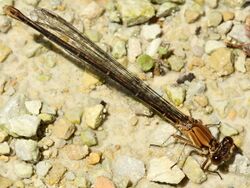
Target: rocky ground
{"points": [[62, 126]]}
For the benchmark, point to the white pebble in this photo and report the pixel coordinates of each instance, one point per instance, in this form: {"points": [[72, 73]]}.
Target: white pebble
{"points": [[32, 2], [33, 106], [27, 150], [241, 165], [153, 46], [12, 109], [94, 116], [70, 176], [239, 33], [92, 10], [130, 167], [22, 169], [160, 170], [212, 45], [3, 135], [150, 32], [161, 134], [239, 64], [225, 27], [42, 168], [134, 49], [228, 130], [244, 84], [193, 171], [24, 125], [4, 148]]}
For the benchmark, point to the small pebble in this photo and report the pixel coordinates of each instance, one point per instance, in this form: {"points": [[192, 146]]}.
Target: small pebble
{"points": [[241, 165], [145, 62], [176, 63], [81, 182], [212, 3], [94, 116], [92, 10], [55, 174], [94, 158], [202, 100], [176, 94], [244, 84], [133, 121], [225, 27], [76, 152], [27, 150], [193, 13], [32, 49], [103, 182], [89, 82], [221, 61], [74, 115], [196, 88], [227, 15], [33, 3], [161, 133], [70, 176], [228, 130], [240, 62], [42, 168], [47, 118], [153, 47], [44, 77], [23, 170], [5, 24], [212, 45], [19, 184], [4, 52], [215, 131], [166, 9], [48, 109], [5, 182], [193, 171], [24, 125], [3, 135], [214, 18], [150, 32], [233, 3], [243, 112], [238, 33], [88, 137], [38, 183], [134, 49], [4, 148], [135, 12], [160, 170], [33, 106], [51, 59], [93, 35], [63, 129], [130, 167], [119, 49]]}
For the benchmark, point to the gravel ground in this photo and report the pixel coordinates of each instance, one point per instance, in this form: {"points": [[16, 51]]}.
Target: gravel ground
{"points": [[62, 126]]}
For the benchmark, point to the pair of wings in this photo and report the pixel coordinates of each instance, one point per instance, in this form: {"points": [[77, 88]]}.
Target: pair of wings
{"points": [[86, 52]]}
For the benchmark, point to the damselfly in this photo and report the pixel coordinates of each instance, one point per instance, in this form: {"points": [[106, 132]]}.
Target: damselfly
{"points": [[80, 47]]}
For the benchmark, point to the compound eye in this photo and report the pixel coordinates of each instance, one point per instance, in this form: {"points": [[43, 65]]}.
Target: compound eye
{"points": [[216, 159]]}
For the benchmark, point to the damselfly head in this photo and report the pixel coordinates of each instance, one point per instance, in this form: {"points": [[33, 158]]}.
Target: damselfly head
{"points": [[224, 152]]}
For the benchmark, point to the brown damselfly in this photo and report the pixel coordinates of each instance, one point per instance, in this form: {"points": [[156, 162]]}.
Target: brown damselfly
{"points": [[81, 48]]}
